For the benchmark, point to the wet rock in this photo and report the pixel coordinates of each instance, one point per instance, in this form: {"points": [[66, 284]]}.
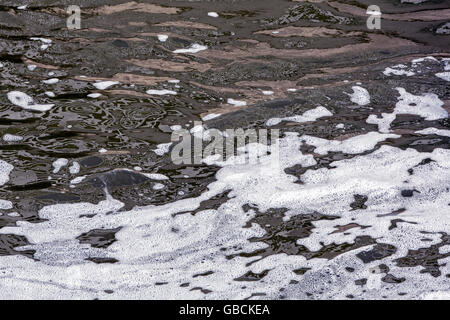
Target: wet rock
{"points": [[389, 278], [407, 193], [301, 271], [359, 202], [100, 260], [428, 258], [90, 162], [10, 241], [361, 282], [378, 252], [250, 276], [120, 43], [99, 238], [118, 178]]}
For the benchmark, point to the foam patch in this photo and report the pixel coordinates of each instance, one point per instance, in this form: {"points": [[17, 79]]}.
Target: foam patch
{"points": [[428, 106], [351, 145], [360, 96], [102, 85], [310, 115], [194, 48], [5, 170], [439, 132], [26, 102], [155, 245], [161, 92]]}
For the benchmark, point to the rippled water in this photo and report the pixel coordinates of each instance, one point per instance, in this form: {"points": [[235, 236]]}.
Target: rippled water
{"points": [[92, 206]]}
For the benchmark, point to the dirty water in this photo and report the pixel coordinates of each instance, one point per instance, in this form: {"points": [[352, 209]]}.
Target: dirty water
{"points": [[93, 207]]}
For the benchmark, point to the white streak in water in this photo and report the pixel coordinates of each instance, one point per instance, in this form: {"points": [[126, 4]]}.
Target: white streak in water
{"points": [[102, 85], [194, 48], [51, 81], [26, 102], [444, 75], [439, 132], [12, 138], [310, 115], [236, 103], [160, 92]]}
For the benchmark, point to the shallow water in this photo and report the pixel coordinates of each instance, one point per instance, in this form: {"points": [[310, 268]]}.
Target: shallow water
{"points": [[92, 206]]}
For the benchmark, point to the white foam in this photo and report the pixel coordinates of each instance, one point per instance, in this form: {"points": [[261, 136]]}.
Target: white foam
{"points": [[428, 106], [267, 92], [353, 145], [26, 102], [236, 103], [360, 96], [175, 127], [12, 138], [444, 29], [160, 92], [211, 116], [94, 95], [420, 60], [44, 40], [310, 115], [102, 85], [158, 243], [446, 62], [195, 247], [439, 132], [74, 168], [51, 81], [77, 180], [14, 214], [398, 70], [162, 37], [444, 75], [158, 186], [439, 295], [49, 94], [5, 204], [31, 67], [156, 176], [194, 48], [162, 148], [59, 163], [213, 14], [5, 170]]}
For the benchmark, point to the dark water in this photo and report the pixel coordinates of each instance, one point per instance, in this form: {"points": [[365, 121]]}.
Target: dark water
{"points": [[120, 233]]}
